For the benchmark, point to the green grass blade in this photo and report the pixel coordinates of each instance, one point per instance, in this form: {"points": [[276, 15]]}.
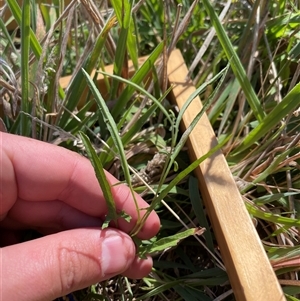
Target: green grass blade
{"points": [[272, 167], [17, 13], [101, 177], [183, 174], [276, 254], [11, 43], [166, 242], [123, 10], [137, 79], [112, 127], [78, 84], [285, 107], [235, 63], [220, 103], [143, 119], [143, 91], [274, 218], [198, 91], [119, 61], [265, 199], [185, 135], [25, 46], [105, 156]]}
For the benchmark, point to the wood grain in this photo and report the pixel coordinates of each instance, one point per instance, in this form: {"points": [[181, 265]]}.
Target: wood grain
{"points": [[250, 272]]}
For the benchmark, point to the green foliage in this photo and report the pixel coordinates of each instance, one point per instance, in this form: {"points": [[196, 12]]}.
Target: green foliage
{"points": [[112, 214], [244, 65]]}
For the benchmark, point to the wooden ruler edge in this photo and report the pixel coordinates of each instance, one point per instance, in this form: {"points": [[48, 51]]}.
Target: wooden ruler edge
{"points": [[250, 272]]}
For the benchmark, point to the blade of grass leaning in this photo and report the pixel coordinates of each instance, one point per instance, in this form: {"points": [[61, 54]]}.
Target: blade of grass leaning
{"points": [[143, 119], [125, 8], [291, 290], [181, 176], [137, 78], [265, 199], [274, 218], [112, 127], [78, 121], [25, 46], [17, 13], [123, 13], [6, 34], [104, 156], [78, 84], [187, 292], [142, 90], [272, 167], [235, 63], [166, 242], [185, 135], [221, 75], [101, 177], [219, 104], [234, 92], [280, 254], [167, 285], [282, 109], [119, 61], [107, 156]]}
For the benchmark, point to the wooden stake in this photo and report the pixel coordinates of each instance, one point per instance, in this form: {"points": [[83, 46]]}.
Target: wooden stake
{"points": [[250, 273]]}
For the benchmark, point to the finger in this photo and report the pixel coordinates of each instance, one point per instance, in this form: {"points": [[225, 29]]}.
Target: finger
{"points": [[54, 215], [139, 268], [45, 172], [71, 260], [8, 184]]}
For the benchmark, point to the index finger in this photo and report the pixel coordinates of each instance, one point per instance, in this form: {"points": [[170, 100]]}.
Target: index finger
{"points": [[39, 171]]}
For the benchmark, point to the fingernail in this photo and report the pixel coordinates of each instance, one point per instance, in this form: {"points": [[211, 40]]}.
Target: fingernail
{"points": [[118, 252]]}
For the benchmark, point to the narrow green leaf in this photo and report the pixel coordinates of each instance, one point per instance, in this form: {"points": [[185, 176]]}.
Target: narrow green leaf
{"points": [[119, 60], [105, 157], [265, 199], [11, 43], [137, 79], [112, 127], [25, 46], [123, 11], [78, 84], [179, 145], [200, 90], [278, 254], [285, 107], [182, 175], [101, 177], [235, 63], [166, 242], [272, 167], [17, 13], [274, 218]]}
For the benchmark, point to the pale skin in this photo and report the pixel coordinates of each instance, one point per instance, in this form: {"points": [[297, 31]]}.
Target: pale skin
{"points": [[55, 191]]}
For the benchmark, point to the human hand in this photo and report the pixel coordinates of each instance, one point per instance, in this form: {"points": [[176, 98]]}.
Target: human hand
{"points": [[55, 191]]}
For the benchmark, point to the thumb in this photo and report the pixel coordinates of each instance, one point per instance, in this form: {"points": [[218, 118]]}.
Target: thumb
{"points": [[55, 265]]}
